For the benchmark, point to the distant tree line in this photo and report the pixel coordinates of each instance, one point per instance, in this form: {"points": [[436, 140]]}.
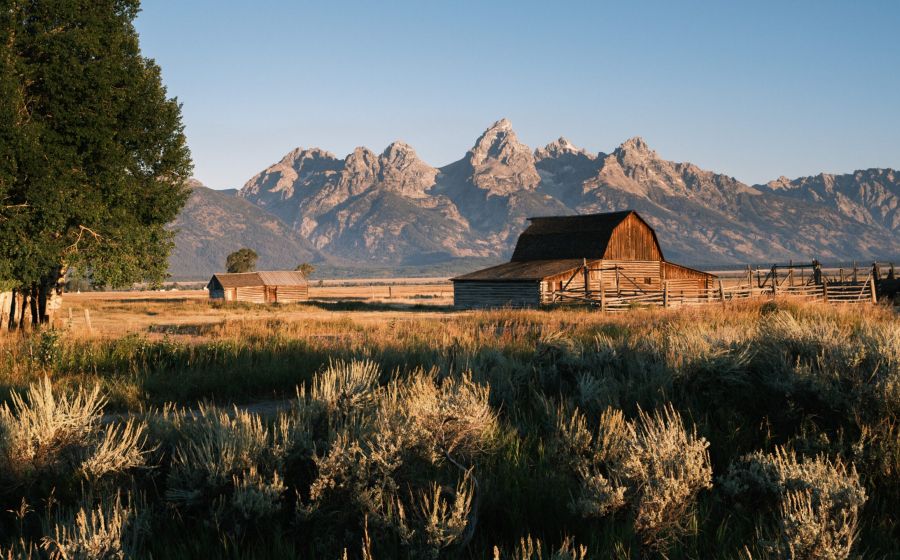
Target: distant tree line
{"points": [[93, 157]]}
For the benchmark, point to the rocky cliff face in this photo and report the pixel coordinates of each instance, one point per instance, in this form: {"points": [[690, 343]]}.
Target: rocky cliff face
{"points": [[871, 196], [392, 208]]}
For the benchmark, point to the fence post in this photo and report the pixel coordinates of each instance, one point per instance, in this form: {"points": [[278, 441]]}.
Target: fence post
{"points": [[587, 279], [825, 289], [721, 292], [872, 288], [665, 294], [87, 321]]}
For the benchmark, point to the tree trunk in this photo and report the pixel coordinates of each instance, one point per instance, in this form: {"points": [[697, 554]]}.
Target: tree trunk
{"points": [[22, 308], [33, 307], [11, 322], [4, 308], [50, 295]]}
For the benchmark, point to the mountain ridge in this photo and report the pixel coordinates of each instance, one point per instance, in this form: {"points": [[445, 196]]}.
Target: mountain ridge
{"points": [[394, 209]]}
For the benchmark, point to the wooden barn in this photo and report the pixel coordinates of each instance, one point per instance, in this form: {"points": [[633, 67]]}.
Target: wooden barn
{"points": [[582, 257], [260, 287]]}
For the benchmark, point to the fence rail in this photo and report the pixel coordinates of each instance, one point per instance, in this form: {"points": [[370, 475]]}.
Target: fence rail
{"points": [[838, 293]]}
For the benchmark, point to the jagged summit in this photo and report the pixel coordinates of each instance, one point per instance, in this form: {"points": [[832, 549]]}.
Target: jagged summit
{"points": [[301, 154], [561, 147], [398, 147], [501, 164], [391, 207], [499, 141], [635, 144]]}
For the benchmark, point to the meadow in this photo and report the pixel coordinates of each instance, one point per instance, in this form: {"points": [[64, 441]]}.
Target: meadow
{"points": [[177, 428]]}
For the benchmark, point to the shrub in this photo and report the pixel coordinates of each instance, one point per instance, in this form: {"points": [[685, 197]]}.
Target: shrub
{"points": [[818, 501], [653, 463], [443, 520], [111, 530], [667, 466], [46, 437], [228, 464]]}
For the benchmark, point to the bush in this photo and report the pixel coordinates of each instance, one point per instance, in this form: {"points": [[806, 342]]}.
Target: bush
{"points": [[111, 530], [667, 467], [818, 501], [228, 464], [653, 463], [51, 439]]}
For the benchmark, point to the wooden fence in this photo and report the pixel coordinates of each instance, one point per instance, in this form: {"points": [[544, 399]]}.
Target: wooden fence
{"points": [[847, 292]]}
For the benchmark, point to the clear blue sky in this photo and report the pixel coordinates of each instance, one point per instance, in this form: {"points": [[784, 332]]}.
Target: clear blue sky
{"points": [[752, 89]]}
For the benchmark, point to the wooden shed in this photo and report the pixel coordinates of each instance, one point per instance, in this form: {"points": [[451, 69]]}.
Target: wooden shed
{"points": [[615, 253], [260, 287]]}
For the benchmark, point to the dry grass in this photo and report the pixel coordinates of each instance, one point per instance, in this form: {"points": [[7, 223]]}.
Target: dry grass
{"points": [[764, 430]]}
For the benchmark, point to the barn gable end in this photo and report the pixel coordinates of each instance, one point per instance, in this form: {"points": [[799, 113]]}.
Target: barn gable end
{"points": [[614, 235]]}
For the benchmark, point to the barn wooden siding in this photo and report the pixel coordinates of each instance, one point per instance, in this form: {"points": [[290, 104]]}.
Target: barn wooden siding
{"points": [[476, 295], [678, 275], [289, 294], [633, 240], [625, 276], [251, 294], [259, 287]]}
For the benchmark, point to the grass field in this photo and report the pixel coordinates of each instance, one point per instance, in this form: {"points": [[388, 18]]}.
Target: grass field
{"points": [[405, 429]]}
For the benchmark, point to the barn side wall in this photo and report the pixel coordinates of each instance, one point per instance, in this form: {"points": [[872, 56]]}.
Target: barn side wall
{"points": [[683, 278], [479, 295], [252, 294], [622, 276], [291, 294], [633, 240]]}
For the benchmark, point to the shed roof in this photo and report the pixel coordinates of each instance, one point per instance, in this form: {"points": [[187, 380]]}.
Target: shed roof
{"points": [[522, 271], [261, 278], [583, 236]]}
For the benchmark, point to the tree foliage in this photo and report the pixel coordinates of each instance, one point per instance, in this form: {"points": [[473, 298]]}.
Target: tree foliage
{"points": [[306, 268], [242, 260], [93, 157]]}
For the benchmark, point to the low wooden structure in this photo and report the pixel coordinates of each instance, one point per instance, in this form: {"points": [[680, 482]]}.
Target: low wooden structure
{"points": [[589, 258], [259, 287]]}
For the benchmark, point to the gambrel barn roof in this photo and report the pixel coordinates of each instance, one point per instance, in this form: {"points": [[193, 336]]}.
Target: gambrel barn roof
{"points": [[612, 235]]}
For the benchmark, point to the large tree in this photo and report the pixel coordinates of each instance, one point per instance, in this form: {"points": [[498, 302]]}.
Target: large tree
{"points": [[93, 157]]}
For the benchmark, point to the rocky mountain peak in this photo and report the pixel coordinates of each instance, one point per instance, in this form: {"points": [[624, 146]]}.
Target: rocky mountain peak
{"points": [[501, 164], [298, 158], [402, 171], [361, 169], [398, 153], [781, 183], [636, 145], [498, 142], [559, 148]]}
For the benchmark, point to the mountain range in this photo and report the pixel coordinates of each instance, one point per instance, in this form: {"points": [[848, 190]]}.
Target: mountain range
{"points": [[392, 211]]}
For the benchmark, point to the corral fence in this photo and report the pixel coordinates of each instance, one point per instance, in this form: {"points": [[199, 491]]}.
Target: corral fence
{"points": [[803, 282]]}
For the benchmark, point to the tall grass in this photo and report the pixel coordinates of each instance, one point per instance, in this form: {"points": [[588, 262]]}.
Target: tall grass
{"points": [[768, 431]]}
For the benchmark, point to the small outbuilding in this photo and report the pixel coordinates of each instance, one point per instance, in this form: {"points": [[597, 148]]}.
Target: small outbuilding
{"points": [[259, 287], [615, 254]]}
